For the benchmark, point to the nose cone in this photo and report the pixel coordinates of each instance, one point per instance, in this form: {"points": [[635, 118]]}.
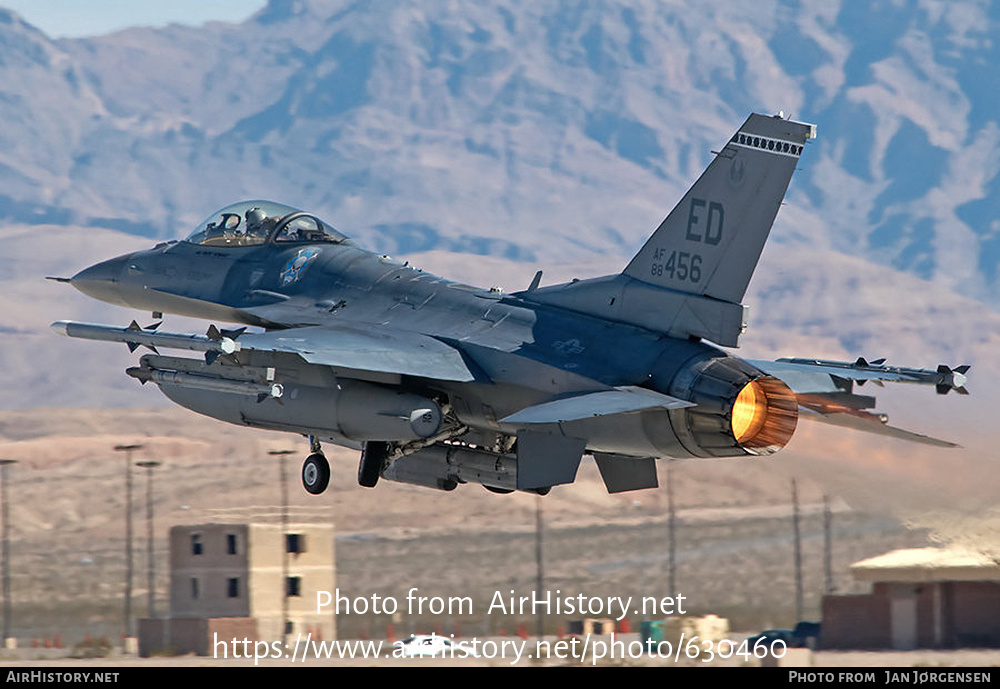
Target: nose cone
{"points": [[101, 280]]}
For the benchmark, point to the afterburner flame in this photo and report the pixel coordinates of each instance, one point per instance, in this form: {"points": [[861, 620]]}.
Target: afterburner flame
{"points": [[764, 415], [749, 411]]}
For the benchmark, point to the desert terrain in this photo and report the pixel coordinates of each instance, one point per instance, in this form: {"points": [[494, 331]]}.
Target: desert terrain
{"points": [[734, 549]]}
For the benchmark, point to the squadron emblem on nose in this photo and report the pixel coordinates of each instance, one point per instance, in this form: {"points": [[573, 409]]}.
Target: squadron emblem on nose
{"points": [[297, 265]]}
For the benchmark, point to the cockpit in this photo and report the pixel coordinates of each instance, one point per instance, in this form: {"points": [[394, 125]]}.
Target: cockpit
{"points": [[250, 223]]}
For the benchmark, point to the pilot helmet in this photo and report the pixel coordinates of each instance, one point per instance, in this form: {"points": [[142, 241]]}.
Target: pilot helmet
{"points": [[255, 217]]}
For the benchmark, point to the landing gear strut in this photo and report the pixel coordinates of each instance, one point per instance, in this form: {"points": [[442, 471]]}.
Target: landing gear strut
{"points": [[372, 458], [315, 473]]}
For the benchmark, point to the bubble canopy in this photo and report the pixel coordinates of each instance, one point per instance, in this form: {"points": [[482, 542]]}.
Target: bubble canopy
{"points": [[250, 223]]}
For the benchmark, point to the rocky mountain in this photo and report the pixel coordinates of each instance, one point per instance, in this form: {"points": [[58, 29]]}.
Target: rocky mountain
{"points": [[531, 135], [529, 131]]}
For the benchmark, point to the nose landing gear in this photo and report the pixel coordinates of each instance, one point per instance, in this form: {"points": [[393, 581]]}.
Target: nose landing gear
{"points": [[316, 469], [315, 473]]}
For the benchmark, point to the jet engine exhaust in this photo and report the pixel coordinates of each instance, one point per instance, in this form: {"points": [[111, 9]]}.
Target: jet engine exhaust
{"points": [[740, 411], [764, 416]]}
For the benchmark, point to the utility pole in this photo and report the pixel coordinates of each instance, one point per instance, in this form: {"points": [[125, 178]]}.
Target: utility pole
{"points": [[5, 508], [281, 454], [128, 450], [827, 544], [798, 552], [539, 563], [150, 571], [671, 533]]}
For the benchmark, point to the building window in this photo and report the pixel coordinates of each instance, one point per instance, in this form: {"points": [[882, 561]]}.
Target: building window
{"points": [[195, 589], [231, 543], [293, 586], [295, 543], [196, 548], [234, 587]]}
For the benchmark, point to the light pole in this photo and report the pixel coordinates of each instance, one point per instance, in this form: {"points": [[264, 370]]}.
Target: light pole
{"points": [[128, 450], [671, 532], [281, 454], [827, 545], [798, 553], [540, 563], [149, 465], [4, 508]]}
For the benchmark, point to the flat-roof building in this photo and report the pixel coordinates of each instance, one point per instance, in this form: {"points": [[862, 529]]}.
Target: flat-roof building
{"points": [[258, 581], [921, 598]]}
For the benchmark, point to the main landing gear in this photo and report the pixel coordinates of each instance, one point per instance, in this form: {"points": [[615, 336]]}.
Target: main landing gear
{"points": [[372, 458]]}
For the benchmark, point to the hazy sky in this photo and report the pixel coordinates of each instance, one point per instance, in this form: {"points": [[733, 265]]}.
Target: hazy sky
{"points": [[59, 18]]}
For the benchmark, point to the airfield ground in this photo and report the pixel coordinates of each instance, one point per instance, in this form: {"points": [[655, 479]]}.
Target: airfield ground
{"points": [[734, 553]]}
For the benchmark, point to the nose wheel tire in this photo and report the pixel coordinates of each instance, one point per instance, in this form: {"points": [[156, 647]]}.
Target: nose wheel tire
{"points": [[315, 473]]}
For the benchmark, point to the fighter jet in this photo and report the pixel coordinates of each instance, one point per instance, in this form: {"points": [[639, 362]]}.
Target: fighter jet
{"points": [[439, 383]]}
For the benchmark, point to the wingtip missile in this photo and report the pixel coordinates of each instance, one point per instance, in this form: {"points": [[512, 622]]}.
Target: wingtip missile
{"points": [[952, 379], [944, 377], [135, 336]]}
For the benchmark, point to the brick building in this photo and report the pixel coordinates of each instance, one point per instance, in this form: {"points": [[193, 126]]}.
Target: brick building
{"points": [[921, 598]]}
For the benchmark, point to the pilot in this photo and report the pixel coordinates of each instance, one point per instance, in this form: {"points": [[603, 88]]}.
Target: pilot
{"points": [[255, 218]]}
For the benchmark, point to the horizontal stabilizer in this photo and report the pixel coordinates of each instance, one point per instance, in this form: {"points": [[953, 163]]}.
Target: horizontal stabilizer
{"points": [[620, 400], [872, 423], [824, 391]]}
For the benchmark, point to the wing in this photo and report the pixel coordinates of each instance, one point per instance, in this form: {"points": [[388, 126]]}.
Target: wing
{"points": [[825, 391], [345, 346], [370, 349]]}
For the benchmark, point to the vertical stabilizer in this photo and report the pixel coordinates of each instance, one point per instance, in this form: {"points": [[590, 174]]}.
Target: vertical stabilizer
{"points": [[711, 241], [688, 280]]}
